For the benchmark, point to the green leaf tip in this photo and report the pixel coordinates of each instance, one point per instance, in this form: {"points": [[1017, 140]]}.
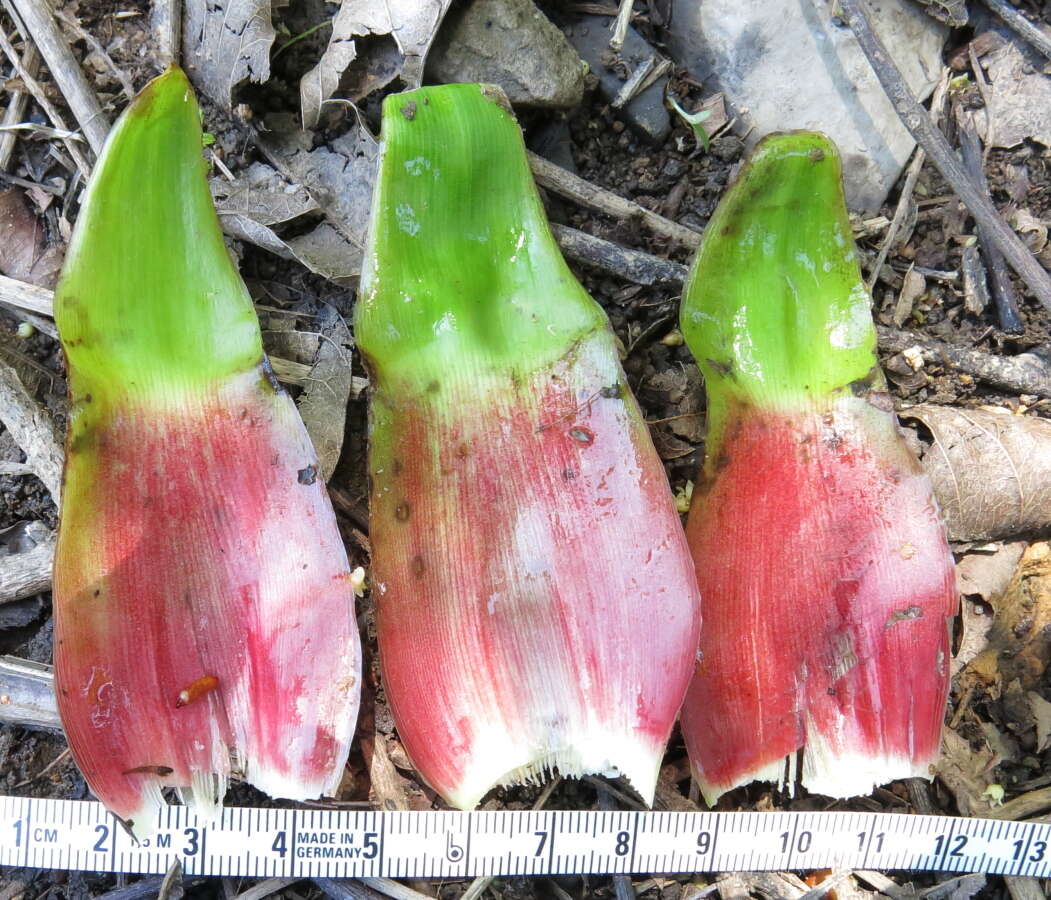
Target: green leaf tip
{"points": [[148, 285], [461, 266], [774, 308]]}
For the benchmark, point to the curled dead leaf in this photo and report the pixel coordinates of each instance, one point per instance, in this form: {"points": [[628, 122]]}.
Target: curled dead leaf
{"points": [[913, 286], [991, 470], [339, 177], [965, 771], [226, 42], [376, 42], [261, 194], [1032, 230], [26, 254]]}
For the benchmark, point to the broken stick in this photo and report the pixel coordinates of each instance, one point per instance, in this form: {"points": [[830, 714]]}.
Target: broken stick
{"points": [[564, 183], [631, 265], [1027, 373], [27, 573], [999, 280], [37, 91], [64, 67], [16, 107], [1021, 25], [27, 694], [32, 428]]}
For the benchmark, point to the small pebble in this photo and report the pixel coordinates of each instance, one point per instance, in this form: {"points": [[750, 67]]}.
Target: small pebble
{"points": [[673, 338], [914, 357]]}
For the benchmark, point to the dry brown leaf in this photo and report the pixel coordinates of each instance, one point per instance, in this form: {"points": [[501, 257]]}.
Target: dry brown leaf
{"points": [[991, 470], [323, 403], [339, 176], [987, 574], [975, 282], [1032, 230], [1041, 710], [263, 195], [966, 772], [225, 42], [668, 796], [1020, 637], [26, 255], [409, 24], [1020, 96], [975, 622], [388, 787], [323, 251], [681, 387], [668, 445]]}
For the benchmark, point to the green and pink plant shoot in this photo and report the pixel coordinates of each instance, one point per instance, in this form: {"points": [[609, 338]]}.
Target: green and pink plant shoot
{"points": [[204, 620], [536, 603], [823, 563]]}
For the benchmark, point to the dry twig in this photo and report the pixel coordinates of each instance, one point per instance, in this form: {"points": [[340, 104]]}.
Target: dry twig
{"points": [[64, 68], [266, 888], [125, 82], [1021, 25], [566, 184], [166, 22], [620, 26], [32, 428], [631, 265], [999, 280], [27, 573], [911, 177], [345, 890], [1027, 373], [394, 889], [23, 296], [1020, 888], [918, 123], [27, 694], [16, 108], [37, 91]]}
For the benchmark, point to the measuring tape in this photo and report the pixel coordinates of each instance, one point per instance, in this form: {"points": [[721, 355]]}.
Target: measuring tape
{"points": [[304, 843]]}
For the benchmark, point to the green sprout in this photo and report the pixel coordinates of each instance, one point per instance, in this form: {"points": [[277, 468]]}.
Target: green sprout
{"points": [[694, 120]]}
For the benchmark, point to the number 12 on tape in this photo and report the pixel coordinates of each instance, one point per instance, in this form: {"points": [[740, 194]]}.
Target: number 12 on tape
{"points": [[66, 834]]}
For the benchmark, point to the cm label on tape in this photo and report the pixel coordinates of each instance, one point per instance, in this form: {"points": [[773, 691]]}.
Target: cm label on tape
{"points": [[69, 834]]}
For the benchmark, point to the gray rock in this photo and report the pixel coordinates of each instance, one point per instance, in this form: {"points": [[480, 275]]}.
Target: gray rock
{"points": [[509, 43], [784, 64], [646, 114]]}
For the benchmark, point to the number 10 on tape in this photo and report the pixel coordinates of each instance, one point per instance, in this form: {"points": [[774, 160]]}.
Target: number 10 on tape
{"points": [[66, 834]]}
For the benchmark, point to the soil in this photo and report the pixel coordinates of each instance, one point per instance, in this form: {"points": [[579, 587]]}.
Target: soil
{"points": [[676, 179]]}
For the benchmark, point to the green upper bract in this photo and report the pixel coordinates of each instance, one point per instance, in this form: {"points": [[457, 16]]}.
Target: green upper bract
{"points": [[774, 308], [149, 299], [462, 270]]}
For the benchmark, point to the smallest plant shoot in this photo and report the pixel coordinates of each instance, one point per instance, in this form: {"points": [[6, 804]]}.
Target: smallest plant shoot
{"points": [[822, 561]]}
